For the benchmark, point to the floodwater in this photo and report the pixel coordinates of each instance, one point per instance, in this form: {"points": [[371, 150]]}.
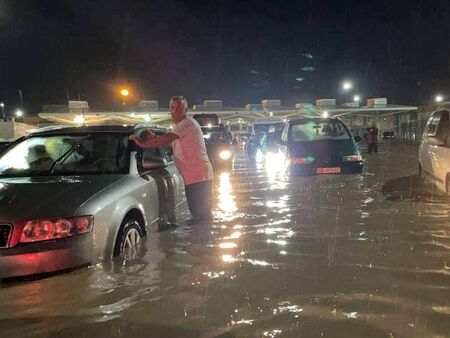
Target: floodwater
{"points": [[331, 256]]}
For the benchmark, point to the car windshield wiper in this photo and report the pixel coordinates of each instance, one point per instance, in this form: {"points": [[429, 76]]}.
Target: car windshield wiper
{"points": [[65, 156]]}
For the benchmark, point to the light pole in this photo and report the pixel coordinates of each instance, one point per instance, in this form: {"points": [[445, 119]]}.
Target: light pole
{"points": [[2, 105], [21, 99], [346, 86], [124, 93]]}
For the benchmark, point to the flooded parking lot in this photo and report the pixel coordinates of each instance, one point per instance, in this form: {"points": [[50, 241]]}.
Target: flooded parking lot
{"points": [[330, 256]]}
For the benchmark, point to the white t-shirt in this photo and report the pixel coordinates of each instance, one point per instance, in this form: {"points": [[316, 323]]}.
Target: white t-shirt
{"points": [[190, 153]]}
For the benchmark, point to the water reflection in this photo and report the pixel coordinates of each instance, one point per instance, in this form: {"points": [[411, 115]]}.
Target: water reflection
{"points": [[227, 204]]}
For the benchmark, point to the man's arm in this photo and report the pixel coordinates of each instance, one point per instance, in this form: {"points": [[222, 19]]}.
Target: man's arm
{"points": [[155, 141]]}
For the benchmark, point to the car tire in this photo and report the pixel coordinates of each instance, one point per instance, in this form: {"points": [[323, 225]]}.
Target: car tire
{"points": [[130, 234]]}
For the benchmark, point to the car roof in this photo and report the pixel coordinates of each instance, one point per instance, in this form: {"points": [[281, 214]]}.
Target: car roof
{"points": [[104, 128]]}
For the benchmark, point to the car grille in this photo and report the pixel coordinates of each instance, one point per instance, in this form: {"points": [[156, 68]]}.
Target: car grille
{"points": [[5, 232]]}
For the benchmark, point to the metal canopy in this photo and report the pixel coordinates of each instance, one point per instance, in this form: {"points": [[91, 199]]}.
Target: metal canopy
{"points": [[228, 115]]}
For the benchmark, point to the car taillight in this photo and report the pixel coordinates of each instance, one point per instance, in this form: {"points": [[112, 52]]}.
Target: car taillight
{"points": [[352, 158], [304, 160], [300, 160], [47, 229]]}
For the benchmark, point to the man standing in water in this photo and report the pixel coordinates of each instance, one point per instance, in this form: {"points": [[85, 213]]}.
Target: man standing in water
{"points": [[190, 155]]}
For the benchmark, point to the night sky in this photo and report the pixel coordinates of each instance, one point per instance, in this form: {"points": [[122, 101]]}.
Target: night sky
{"points": [[238, 51]]}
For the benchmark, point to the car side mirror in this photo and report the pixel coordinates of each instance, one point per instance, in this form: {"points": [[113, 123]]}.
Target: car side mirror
{"points": [[153, 162], [357, 139]]}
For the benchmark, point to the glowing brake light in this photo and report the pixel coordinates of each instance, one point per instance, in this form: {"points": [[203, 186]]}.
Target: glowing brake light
{"points": [[300, 160], [47, 229], [352, 158], [304, 160]]}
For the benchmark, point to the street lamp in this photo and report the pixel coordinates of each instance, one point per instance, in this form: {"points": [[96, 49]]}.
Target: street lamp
{"points": [[2, 105], [356, 98], [347, 85], [18, 113], [438, 98], [124, 92]]}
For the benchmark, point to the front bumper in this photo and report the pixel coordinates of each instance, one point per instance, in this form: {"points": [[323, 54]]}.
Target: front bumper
{"points": [[45, 257], [310, 170]]}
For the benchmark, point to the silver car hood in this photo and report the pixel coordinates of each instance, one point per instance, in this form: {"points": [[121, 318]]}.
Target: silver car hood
{"points": [[25, 198]]}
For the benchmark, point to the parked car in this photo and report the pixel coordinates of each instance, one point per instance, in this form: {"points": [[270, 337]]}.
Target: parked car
{"points": [[315, 146], [434, 151], [388, 135], [74, 196], [219, 146]]}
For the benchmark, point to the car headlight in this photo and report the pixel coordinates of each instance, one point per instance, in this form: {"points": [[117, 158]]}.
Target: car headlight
{"points": [[47, 229], [225, 154], [352, 158]]}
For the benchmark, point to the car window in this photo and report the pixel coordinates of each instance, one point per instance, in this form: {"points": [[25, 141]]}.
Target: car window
{"points": [[433, 124], [443, 130], [67, 155], [215, 137], [317, 130]]}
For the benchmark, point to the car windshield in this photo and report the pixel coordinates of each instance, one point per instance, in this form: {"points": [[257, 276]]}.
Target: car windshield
{"points": [[313, 130], [96, 153], [215, 137]]}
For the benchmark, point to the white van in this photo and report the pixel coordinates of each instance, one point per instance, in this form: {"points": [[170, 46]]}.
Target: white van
{"points": [[434, 153]]}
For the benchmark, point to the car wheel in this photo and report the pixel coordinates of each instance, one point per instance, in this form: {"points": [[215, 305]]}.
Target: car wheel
{"points": [[129, 236]]}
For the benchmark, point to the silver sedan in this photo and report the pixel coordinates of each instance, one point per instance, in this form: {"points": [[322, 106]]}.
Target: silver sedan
{"points": [[73, 196]]}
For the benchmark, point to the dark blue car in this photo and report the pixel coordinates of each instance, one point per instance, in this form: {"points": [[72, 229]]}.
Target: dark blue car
{"points": [[315, 146]]}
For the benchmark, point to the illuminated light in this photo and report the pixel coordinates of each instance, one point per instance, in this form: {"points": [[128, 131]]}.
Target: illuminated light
{"points": [[347, 85], [225, 154], [308, 69], [270, 113], [356, 98], [308, 55], [227, 245], [257, 262], [146, 118], [243, 321], [283, 252], [300, 160], [299, 79], [352, 158], [79, 119], [2, 105], [124, 92], [226, 199], [279, 242], [132, 114], [228, 258], [18, 113], [325, 114], [236, 234], [238, 226], [439, 98]]}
